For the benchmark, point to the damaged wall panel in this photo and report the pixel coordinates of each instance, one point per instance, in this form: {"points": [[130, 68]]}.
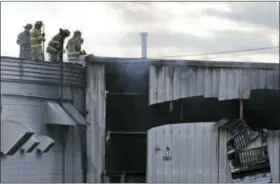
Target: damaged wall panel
{"points": [[247, 152], [222, 80], [200, 147]]}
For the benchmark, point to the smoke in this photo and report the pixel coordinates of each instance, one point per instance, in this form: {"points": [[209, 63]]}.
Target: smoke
{"points": [[132, 75]]}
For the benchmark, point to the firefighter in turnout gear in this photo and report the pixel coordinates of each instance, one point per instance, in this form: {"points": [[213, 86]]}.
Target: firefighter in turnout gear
{"points": [[54, 46], [23, 40], [36, 39], [74, 49]]}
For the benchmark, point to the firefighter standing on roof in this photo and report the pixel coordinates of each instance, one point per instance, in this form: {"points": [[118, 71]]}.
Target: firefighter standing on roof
{"points": [[54, 46], [23, 40], [74, 49], [36, 39]]}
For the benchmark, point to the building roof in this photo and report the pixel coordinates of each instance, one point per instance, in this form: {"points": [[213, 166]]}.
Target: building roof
{"points": [[198, 63], [15, 69]]}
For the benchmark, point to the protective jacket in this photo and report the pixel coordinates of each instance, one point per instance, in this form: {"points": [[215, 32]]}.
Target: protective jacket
{"points": [[23, 40], [73, 48], [36, 39], [54, 44]]}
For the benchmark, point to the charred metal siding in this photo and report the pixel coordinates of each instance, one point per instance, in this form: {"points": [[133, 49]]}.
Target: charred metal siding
{"points": [[222, 80], [127, 118], [198, 152], [96, 107], [25, 86]]}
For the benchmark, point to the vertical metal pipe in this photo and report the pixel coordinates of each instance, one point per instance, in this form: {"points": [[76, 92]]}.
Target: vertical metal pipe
{"points": [[83, 134], [63, 140], [61, 69], [144, 36], [279, 80], [241, 111], [64, 131]]}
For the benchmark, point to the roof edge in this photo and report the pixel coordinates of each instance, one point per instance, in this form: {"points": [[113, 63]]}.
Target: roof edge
{"points": [[198, 63]]}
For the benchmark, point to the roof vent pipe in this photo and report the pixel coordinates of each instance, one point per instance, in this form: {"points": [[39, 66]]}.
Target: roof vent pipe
{"points": [[144, 36]]}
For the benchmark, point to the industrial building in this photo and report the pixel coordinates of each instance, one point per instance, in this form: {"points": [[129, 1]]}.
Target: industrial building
{"points": [[94, 128]]}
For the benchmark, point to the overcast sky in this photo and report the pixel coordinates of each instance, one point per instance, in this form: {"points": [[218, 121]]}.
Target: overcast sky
{"points": [[112, 29]]}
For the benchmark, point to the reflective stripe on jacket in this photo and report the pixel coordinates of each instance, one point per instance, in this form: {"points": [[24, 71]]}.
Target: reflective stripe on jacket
{"points": [[36, 38], [72, 45], [54, 44]]}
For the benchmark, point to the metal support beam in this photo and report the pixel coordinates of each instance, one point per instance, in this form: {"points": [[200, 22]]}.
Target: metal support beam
{"points": [[126, 133], [128, 94], [36, 97]]}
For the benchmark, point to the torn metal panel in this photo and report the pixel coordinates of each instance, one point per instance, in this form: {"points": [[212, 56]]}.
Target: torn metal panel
{"points": [[232, 125], [247, 152], [55, 114], [74, 113], [157, 167], [30, 145], [243, 138], [224, 83], [14, 135], [46, 143]]}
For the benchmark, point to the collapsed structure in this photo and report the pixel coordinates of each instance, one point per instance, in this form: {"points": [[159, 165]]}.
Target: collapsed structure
{"points": [[247, 152]]}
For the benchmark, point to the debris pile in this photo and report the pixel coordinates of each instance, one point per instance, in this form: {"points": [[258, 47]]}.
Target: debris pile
{"points": [[247, 152]]}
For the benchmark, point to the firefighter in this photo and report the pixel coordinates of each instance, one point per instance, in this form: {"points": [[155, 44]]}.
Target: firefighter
{"points": [[37, 38], [74, 49], [23, 40], [54, 46]]}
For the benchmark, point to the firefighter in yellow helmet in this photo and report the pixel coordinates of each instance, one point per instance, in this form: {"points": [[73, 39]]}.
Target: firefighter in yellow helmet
{"points": [[36, 40], [74, 49], [54, 47]]}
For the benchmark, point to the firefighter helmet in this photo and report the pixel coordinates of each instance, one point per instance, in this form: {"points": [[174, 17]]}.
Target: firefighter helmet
{"points": [[77, 33]]}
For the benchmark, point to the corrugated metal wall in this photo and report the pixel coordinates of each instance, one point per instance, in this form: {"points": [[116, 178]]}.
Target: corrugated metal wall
{"points": [[25, 86], [170, 82], [274, 156], [95, 105], [198, 154]]}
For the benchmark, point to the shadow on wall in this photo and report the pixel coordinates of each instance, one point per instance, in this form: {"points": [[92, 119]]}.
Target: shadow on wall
{"points": [[262, 110], [195, 109], [125, 153]]}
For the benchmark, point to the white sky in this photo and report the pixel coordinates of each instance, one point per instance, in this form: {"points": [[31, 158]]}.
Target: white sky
{"points": [[103, 27]]}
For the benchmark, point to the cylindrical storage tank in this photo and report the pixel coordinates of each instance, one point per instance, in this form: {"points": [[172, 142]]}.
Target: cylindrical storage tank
{"points": [[196, 153]]}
